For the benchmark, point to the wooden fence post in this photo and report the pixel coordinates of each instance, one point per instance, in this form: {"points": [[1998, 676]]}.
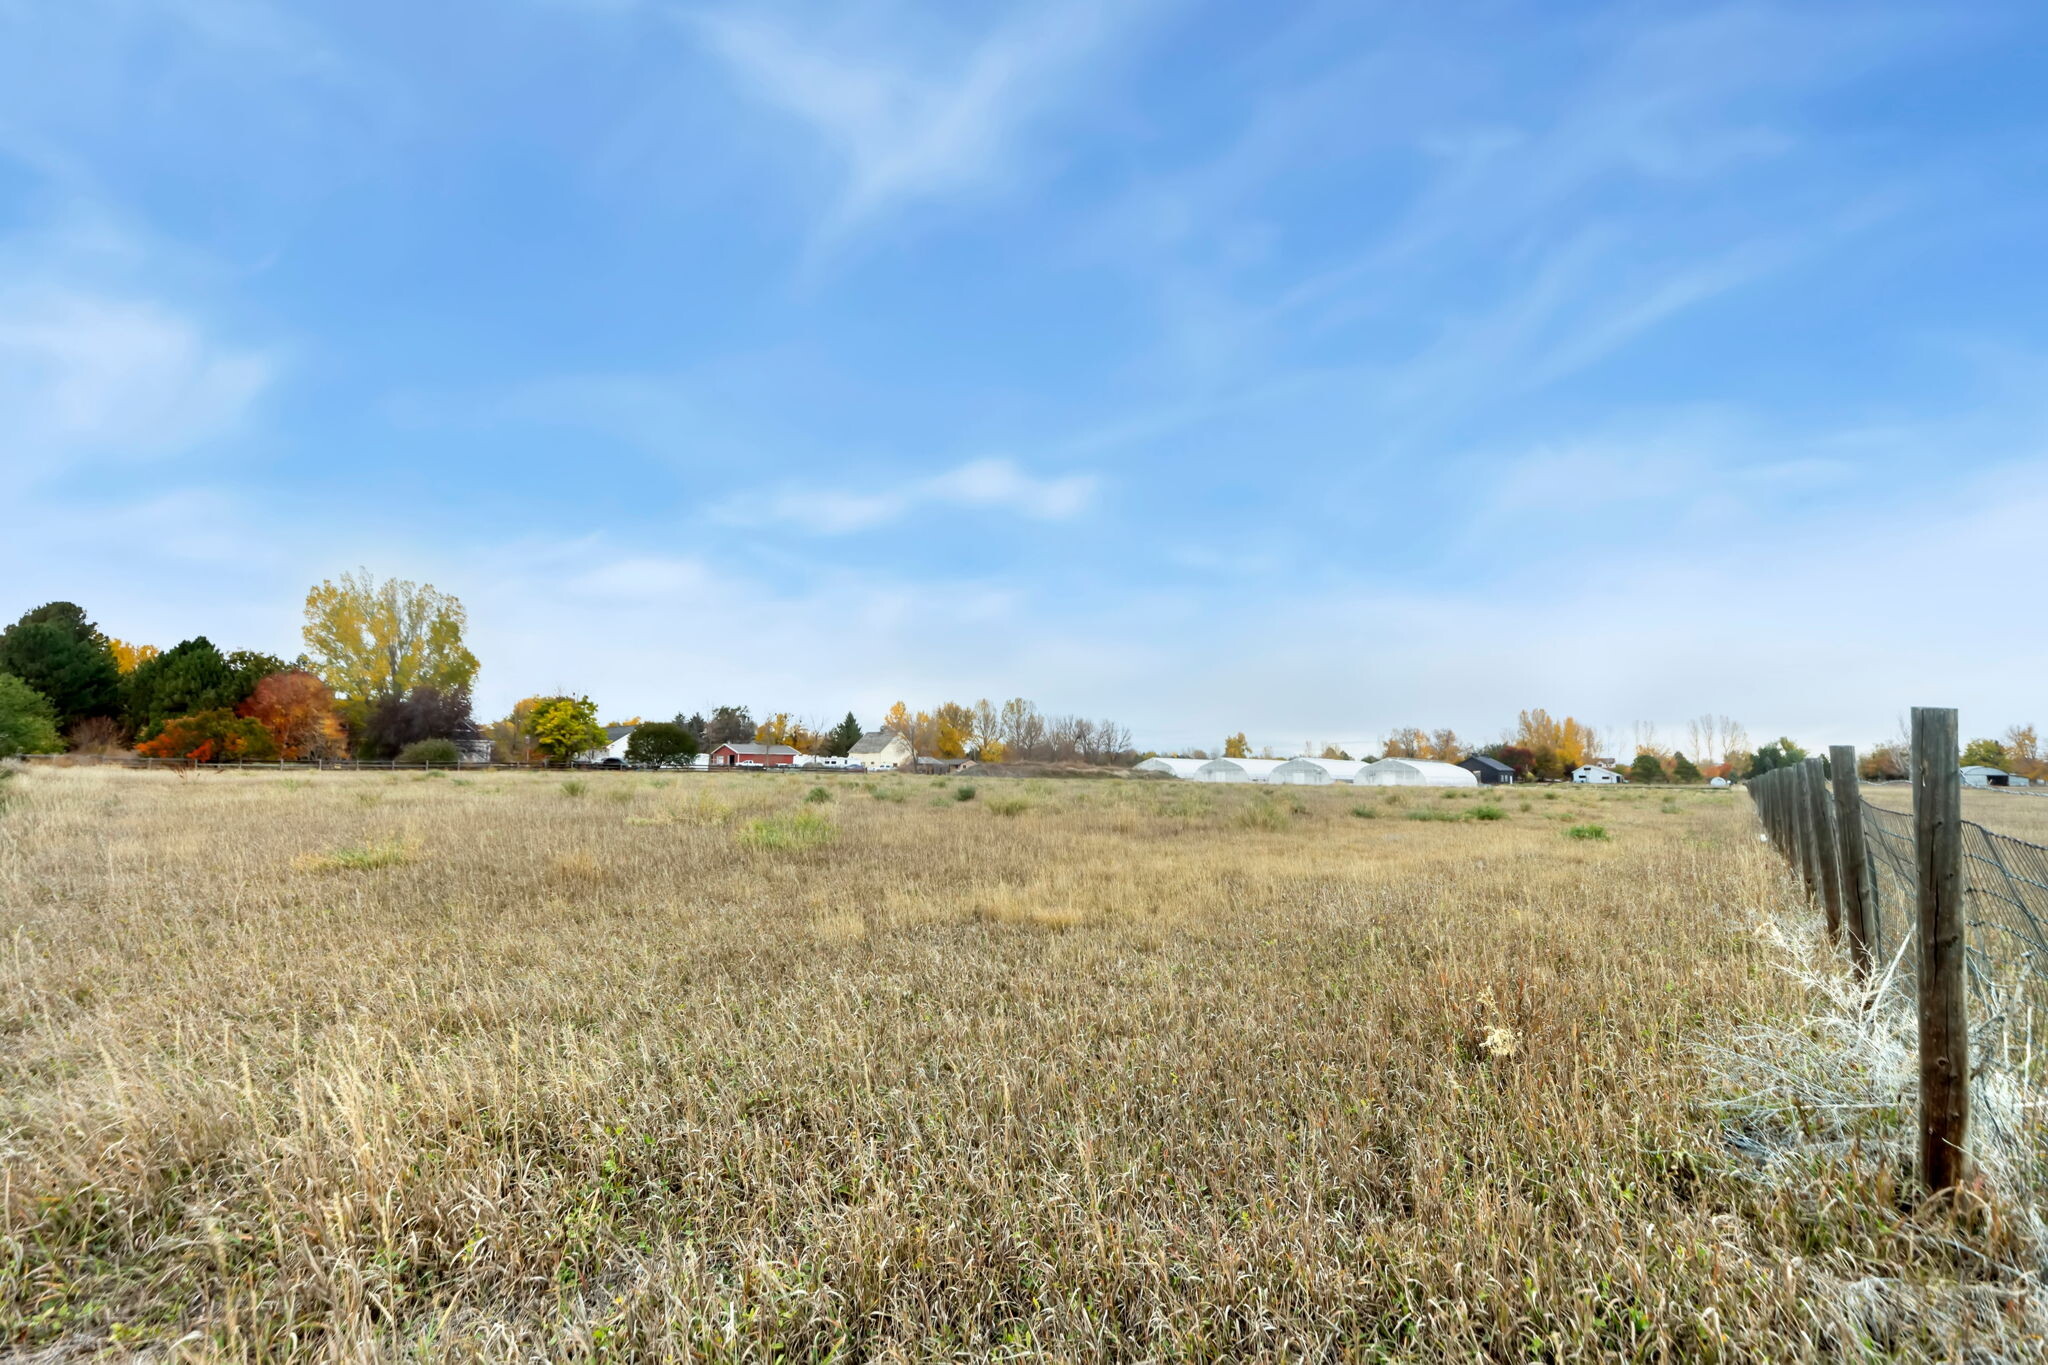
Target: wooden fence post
{"points": [[1822, 821], [1944, 1023], [1767, 809], [1859, 913], [1803, 843]]}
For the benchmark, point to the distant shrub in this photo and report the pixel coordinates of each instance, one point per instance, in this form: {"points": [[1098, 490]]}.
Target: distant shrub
{"points": [[1587, 832], [575, 786], [431, 751], [660, 744], [891, 792], [1365, 812], [28, 723], [1487, 812], [782, 833], [817, 796], [93, 735], [1007, 805], [1262, 814], [1431, 813], [364, 858], [965, 793], [705, 810], [211, 737]]}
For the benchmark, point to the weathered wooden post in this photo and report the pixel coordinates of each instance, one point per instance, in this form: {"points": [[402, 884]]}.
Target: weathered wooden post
{"points": [[1804, 839], [1822, 821], [1944, 1022], [1859, 908]]}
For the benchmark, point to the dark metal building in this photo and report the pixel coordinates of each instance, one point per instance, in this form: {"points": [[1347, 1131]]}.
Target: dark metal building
{"points": [[1490, 771]]}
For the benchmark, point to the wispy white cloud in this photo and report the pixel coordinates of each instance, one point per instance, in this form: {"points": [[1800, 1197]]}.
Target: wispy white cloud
{"points": [[910, 123], [88, 377], [993, 485]]}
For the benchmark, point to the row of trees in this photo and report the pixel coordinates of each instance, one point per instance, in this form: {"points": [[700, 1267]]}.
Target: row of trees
{"points": [[386, 673], [1012, 731], [989, 732], [384, 670]]}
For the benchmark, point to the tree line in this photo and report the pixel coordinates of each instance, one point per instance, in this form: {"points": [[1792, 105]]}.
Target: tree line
{"points": [[385, 673], [986, 731]]}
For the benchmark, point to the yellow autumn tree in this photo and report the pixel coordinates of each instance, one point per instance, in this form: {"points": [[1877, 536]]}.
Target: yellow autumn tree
{"points": [[511, 740], [374, 640], [127, 656], [1408, 742], [2023, 751], [1558, 746], [1445, 747], [952, 730], [1237, 746]]}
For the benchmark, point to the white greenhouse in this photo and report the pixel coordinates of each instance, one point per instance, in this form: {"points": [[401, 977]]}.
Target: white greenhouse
{"points": [[1172, 767], [1414, 772], [1237, 770], [1317, 772]]}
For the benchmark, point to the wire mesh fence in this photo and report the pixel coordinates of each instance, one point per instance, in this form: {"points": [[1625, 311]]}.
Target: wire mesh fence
{"points": [[2005, 909], [1954, 913]]}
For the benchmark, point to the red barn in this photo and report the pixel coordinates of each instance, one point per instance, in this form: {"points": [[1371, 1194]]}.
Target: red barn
{"points": [[750, 753]]}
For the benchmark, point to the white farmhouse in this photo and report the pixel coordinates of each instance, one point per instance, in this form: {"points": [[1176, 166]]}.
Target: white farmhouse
{"points": [[1593, 772], [881, 751], [616, 738]]}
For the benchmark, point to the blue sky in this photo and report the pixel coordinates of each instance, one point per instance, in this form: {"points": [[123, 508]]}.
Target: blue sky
{"points": [[1302, 369]]}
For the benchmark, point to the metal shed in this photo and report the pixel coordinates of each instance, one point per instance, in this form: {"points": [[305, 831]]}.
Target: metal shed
{"points": [[1489, 770]]}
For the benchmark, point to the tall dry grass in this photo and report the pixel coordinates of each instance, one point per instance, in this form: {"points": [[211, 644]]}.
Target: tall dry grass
{"points": [[2022, 813], [373, 1067]]}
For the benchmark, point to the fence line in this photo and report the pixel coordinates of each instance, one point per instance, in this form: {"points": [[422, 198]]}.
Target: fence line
{"points": [[1878, 875]]}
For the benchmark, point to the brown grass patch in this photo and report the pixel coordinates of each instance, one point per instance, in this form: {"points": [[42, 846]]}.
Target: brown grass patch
{"points": [[1126, 1077]]}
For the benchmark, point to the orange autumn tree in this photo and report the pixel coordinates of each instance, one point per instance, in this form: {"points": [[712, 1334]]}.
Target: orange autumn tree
{"points": [[298, 711], [216, 736]]}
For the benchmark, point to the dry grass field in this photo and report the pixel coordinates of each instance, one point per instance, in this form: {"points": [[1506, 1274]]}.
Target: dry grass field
{"points": [[747, 1067], [2021, 814]]}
